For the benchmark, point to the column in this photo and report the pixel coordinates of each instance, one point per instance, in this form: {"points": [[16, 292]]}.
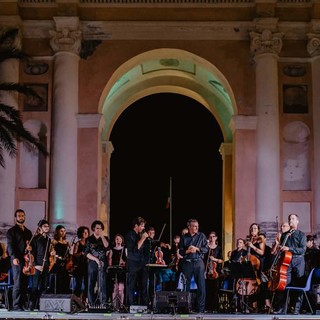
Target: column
{"points": [[9, 72], [227, 219], [313, 48], [66, 43], [266, 44], [244, 177]]}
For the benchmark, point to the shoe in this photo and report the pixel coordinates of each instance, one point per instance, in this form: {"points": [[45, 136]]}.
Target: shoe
{"points": [[280, 311], [18, 309], [296, 312]]}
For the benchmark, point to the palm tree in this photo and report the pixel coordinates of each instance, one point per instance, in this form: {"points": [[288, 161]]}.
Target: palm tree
{"points": [[12, 129]]}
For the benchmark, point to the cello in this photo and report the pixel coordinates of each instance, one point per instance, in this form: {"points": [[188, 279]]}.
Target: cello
{"points": [[279, 267]]}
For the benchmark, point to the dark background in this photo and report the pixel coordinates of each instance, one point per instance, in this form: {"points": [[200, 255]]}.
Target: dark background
{"points": [[161, 136]]}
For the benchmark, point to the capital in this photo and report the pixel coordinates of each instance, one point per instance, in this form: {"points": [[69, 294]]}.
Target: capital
{"points": [[266, 42], [313, 46], [67, 36]]}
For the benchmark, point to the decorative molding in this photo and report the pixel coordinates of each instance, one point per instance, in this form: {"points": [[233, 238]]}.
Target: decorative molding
{"points": [[226, 149], [243, 123], [90, 120], [266, 42], [313, 46], [107, 147], [67, 36]]}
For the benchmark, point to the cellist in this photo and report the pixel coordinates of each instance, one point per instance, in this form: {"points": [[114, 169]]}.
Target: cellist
{"points": [[296, 243]]}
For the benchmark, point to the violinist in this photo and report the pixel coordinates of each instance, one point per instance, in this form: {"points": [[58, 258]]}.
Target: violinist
{"points": [[239, 254], [81, 264], [256, 249], [17, 238], [296, 244], [158, 250], [40, 250], [214, 262], [60, 250]]}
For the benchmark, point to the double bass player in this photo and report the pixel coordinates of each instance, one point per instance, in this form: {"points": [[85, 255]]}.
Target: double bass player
{"points": [[296, 244]]}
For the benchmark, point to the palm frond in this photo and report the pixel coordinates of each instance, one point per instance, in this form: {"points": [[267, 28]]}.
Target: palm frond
{"points": [[12, 54]]}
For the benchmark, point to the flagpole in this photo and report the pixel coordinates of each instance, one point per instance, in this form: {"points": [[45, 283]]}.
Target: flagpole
{"points": [[170, 195]]}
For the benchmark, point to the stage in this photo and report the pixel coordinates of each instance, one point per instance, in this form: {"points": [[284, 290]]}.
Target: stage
{"points": [[4, 314]]}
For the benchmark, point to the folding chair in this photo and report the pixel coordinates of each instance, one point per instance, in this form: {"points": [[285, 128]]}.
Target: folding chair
{"points": [[304, 289], [6, 286]]}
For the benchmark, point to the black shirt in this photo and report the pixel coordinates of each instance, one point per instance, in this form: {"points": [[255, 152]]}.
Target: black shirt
{"points": [[17, 241]]}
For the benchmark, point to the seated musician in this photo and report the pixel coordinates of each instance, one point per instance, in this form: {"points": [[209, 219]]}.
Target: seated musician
{"points": [[96, 250], [240, 253], [117, 260], [81, 264], [60, 251]]}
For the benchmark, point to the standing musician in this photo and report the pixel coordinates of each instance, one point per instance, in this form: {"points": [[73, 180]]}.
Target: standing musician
{"points": [[60, 253], [17, 238], [40, 250], [256, 248], [214, 262], [138, 257], [296, 245], [193, 247], [117, 260], [80, 272], [96, 250]]}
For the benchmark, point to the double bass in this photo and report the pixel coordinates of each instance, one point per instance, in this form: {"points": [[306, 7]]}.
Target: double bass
{"points": [[279, 267]]}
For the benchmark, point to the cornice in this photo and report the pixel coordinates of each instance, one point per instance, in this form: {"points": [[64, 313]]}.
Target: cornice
{"points": [[165, 30]]}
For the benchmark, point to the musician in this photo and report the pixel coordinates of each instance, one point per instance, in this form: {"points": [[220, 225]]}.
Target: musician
{"points": [[4, 262], [176, 260], [138, 257], [256, 249], [60, 251], [240, 253], [118, 258], [296, 244], [283, 229], [312, 255], [193, 247], [41, 252], [97, 250], [214, 262], [80, 272], [17, 238]]}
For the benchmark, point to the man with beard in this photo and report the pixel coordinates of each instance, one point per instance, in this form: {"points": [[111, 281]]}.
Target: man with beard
{"points": [[18, 237]]}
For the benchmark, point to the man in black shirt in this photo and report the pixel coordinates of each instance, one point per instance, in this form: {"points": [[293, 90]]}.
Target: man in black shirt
{"points": [[296, 244], [138, 248], [193, 246], [96, 250], [40, 245], [17, 240]]}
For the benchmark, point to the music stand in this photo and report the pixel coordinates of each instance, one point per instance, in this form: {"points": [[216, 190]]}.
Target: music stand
{"points": [[243, 270], [117, 304]]}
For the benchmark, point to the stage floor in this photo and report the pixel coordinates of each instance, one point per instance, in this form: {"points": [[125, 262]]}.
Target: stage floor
{"points": [[4, 314]]}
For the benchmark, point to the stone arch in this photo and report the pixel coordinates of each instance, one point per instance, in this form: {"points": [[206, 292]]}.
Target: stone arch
{"points": [[170, 71]]}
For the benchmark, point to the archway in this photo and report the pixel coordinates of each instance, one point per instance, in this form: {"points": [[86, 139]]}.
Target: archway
{"points": [[171, 71]]}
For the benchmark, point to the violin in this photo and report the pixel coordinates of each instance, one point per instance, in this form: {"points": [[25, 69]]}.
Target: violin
{"points": [[159, 256], [211, 268], [28, 268]]}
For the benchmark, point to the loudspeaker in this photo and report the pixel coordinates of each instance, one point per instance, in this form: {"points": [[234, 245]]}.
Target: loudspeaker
{"points": [[168, 300], [60, 303]]}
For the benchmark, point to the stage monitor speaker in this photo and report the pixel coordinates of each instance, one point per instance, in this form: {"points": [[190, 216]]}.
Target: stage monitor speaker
{"points": [[61, 303], [172, 300]]}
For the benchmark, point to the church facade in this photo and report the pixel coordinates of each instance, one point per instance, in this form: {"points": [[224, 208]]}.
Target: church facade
{"points": [[255, 65]]}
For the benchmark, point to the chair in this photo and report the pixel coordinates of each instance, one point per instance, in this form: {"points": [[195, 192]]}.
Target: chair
{"points": [[304, 289], [6, 286]]}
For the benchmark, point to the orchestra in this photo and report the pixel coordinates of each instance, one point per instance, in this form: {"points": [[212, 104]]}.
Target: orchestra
{"points": [[252, 279]]}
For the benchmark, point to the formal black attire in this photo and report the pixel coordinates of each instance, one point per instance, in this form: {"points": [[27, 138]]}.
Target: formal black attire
{"points": [[137, 271], [80, 272], [297, 243], [16, 246], [97, 273], [41, 251], [213, 285], [193, 264]]}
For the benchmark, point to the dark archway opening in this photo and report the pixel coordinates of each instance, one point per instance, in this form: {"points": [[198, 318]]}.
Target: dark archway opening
{"points": [[159, 136]]}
